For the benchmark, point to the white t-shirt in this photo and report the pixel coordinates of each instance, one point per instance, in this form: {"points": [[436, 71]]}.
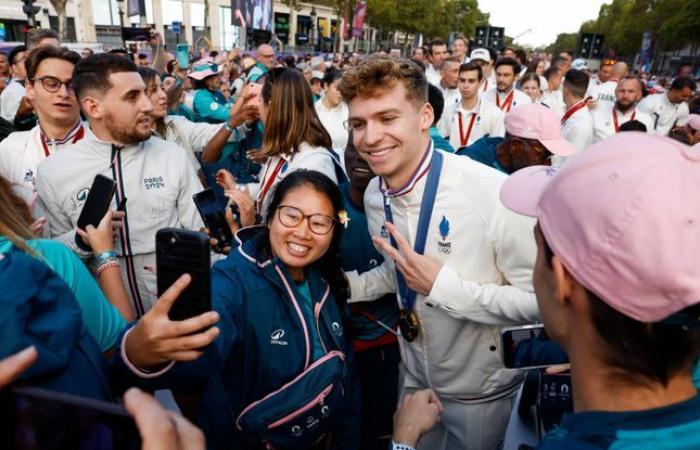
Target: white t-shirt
{"points": [[604, 121], [333, 121], [432, 75], [449, 96], [488, 121], [501, 99], [604, 94], [554, 100], [578, 130], [10, 99], [664, 114]]}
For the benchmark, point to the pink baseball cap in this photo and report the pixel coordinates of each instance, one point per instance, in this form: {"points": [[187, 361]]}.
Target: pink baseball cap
{"points": [[694, 121], [535, 121], [624, 218]]}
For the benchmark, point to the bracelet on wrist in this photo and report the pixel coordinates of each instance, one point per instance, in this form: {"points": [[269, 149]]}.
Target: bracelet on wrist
{"points": [[105, 256], [228, 127], [108, 265]]}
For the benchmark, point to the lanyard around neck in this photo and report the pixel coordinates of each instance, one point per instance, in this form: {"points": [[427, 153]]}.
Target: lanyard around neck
{"points": [[406, 295]]}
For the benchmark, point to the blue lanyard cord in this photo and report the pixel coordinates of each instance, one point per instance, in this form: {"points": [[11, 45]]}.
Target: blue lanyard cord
{"points": [[406, 295]]}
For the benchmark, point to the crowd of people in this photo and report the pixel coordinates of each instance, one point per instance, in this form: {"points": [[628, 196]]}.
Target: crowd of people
{"points": [[390, 216]]}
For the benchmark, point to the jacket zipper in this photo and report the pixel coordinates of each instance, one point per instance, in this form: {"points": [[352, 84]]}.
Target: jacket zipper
{"points": [[316, 401], [317, 315]]}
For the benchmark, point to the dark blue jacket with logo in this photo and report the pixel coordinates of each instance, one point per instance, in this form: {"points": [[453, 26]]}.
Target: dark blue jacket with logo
{"points": [[264, 343]]}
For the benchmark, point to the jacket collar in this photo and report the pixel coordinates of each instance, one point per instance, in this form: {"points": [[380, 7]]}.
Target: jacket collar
{"points": [[253, 246]]}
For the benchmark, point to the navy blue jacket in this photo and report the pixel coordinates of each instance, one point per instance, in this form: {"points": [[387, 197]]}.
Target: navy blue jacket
{"points": [[38, 308], [264, 343]]}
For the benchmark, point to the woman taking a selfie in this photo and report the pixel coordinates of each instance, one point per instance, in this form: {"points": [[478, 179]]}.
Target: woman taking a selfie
{"points": [[279, 374], [294, 137]]}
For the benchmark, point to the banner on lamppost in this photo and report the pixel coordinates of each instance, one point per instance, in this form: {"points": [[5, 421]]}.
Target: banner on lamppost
{"points": [[358, 22], [135, 8], [646, 53]]}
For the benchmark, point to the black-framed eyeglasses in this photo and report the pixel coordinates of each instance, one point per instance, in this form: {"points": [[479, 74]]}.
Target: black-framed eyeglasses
{"points": [[53, 84], [290, 217]]}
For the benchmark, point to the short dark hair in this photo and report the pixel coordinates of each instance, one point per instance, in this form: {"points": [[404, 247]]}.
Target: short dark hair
{"points": [[331, 76], [680, 83], [506, 61], [437, 101], [559, 62], [577, 82], [472, 66], [654, 351], [550, 72], [94, 71], [436, 43], [521, 57], [39, 54], [14, 52], [633, 125], [35, 36]]}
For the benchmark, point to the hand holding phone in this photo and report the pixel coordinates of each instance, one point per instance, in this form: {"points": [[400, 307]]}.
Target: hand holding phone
{"points": [[157, 339], [214, 217], [529, 347], [95, 207]]}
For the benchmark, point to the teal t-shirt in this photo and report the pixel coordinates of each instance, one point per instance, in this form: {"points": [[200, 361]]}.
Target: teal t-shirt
{"points": [[210, 106], [308, 309], [101, 318]]}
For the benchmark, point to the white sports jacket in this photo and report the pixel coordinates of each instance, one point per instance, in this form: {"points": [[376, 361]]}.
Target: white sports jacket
{"points": [[488, 254], [155, 176]]}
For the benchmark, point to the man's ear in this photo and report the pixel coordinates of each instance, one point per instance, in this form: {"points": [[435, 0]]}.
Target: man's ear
{"points": [[92, 107], [29, 90], [427, 116], [564, 283]]}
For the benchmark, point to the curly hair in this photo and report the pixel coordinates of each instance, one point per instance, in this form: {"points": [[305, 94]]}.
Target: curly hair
{"points": [[380, 73]]}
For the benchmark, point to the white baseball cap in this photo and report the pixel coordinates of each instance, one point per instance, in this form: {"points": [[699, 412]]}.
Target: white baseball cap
{"points": [[480, 53]]}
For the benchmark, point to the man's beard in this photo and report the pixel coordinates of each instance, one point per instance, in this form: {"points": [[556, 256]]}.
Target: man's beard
{"points": [[624, 107], [126, 137], [503, 91]]}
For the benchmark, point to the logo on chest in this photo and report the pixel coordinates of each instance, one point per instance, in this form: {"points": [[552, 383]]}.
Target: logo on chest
{"points": [[276, 337], [444, 246], [153, 183]]}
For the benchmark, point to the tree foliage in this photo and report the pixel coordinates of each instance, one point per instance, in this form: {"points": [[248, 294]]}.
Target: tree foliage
{"points": [[675, 24], [438, 20]]}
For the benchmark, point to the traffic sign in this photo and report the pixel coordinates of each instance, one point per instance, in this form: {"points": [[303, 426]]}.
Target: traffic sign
{"points": [[176, 27]]}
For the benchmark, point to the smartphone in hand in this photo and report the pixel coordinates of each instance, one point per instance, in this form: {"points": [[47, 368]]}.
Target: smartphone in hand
{"points": [[96, 206], [529, 347], [179, 252], [214, 216]]}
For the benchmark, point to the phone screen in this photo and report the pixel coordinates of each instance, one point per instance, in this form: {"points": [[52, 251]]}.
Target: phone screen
{"points": [[213, 216], [183, 56], [136, 34], [529, 346], [34, 418]]}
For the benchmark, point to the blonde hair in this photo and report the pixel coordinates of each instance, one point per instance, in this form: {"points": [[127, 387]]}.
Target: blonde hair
{"points": [[380, 73], [15, 219], [291, 117]]}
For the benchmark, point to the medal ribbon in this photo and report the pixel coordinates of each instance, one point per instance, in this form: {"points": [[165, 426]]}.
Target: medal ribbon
{"points": [[462, 138], [507, 103], [406, 295], [573, 109], [617, 125]]}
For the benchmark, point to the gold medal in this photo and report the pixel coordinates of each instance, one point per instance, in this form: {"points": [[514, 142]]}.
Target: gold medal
{"points": [[408, 325]]}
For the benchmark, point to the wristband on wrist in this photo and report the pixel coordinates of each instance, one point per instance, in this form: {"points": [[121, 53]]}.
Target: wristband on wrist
{"points": [[108, 265], [396, 446], [105, 257], [228, 127]]}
